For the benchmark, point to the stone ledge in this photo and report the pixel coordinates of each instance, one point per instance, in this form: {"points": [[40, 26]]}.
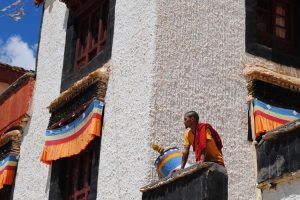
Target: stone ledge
{"points": [[199, 181], [175, 176]]}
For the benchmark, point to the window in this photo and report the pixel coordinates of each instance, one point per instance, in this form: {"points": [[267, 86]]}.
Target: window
{"points": [[6, 192], [9, 148], [272, 95], [89, 38], [276, 95], [91, 28], [271, 30], [273, 118], [274, 24], [75, 178]]}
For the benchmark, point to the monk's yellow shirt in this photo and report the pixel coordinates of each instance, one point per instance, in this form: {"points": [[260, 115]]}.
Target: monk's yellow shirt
{"points": [[213, 154]]}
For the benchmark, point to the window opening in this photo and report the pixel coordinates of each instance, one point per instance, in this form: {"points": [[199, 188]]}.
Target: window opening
{"points": [[275, 24], [92, 33]]}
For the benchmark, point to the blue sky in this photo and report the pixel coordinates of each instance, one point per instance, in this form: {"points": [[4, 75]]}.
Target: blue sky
{"points": [[19, 39]]}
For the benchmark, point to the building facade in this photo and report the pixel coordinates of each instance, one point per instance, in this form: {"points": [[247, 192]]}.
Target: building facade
{"points": [[16, 92], [157, 60]]}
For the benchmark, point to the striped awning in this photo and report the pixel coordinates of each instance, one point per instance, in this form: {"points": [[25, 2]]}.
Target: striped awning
{"points": [[73, 138], [265, 117], [7, 170]]}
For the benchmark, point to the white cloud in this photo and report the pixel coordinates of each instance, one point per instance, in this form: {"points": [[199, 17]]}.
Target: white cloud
{"points": [[16, 52], [34, 48]]}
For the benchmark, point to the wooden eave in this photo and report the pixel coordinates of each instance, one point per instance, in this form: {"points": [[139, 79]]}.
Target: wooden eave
{"points": [[100, 75], [76, 6], [9, 74], [261, 73], [15, 86], [15, 136]]}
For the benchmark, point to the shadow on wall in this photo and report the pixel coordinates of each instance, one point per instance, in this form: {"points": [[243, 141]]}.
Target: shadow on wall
{"points": [[49, 5]]}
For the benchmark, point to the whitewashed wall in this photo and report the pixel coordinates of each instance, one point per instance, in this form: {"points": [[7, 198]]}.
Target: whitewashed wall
{"points": [[125, 145], [285, 191], [168, 57], [32, 180], [199, 51]]}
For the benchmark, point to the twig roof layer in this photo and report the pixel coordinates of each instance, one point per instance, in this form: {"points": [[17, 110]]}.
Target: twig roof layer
{"points": [[259, 72], [101, 75], [15, 136], [14, 68]]}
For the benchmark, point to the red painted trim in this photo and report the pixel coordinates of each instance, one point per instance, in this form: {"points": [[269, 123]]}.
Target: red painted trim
{"points": [[10, 74], [63, 140], [260, 113]]}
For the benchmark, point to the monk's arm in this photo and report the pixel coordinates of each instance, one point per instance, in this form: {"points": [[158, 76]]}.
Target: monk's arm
{"points": [[185, 156]]}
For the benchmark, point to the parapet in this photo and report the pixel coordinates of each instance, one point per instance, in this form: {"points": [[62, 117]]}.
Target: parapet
{"points": [[207, 181]]}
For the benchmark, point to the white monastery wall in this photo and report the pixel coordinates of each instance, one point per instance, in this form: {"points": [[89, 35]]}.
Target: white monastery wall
{"points": [[285, 191], [125, 145], [32, 179], [168, 57], [200, 46]]}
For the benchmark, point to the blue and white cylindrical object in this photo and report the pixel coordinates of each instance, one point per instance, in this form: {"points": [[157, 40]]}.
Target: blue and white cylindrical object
{"points": [[168, 161]]}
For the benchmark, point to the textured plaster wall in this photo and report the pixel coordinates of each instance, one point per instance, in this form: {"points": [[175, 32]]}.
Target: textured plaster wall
{"points": [[200, 46], [125, 147], [168, 57], [32, 180], [286, 191]]}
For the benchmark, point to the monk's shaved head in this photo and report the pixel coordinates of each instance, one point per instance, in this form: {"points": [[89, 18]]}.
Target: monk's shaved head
{"points": [[193, 114]]}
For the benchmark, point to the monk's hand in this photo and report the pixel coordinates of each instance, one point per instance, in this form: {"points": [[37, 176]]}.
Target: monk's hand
{"points": [[202, 158], [176, 171], [200, 162]]}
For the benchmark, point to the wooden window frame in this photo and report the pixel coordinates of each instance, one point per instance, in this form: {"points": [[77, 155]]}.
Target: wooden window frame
{"points": [[72, 178], [87, 44], [71, 74], [286, 52], [78, 172], [270, 37], [6, 193], [274, 95]]}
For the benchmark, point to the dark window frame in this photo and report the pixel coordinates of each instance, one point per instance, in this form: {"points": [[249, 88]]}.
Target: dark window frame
{"points": [[60, 167], [91, 31], [6, 193], [63, 169], [255, 48], [59, 187], [70, 75], [276, 95]]}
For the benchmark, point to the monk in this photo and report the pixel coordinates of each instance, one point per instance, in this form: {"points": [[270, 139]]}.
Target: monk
{"points": [[205, 140]]}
